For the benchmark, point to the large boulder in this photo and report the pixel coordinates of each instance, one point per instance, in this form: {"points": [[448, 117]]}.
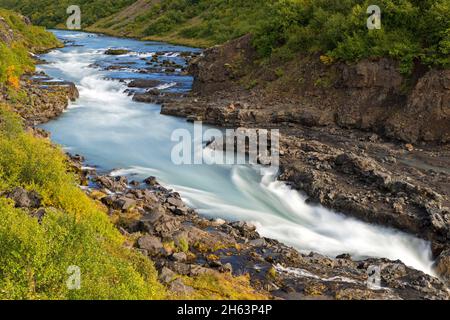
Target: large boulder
{"points": [[116, 52], [24, 198], [144, 83], [151, 244]]}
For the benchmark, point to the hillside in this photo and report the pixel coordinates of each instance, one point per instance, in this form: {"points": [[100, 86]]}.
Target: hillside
{"points": [[412, 30], [53, 14]]}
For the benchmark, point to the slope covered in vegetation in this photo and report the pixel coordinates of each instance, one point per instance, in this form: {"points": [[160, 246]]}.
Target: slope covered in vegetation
{"points": [[51, 13], [412, 30], [17, 39]]}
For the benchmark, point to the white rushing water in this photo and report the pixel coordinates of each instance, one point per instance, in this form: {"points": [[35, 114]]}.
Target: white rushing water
{"points": [[113, 132]]}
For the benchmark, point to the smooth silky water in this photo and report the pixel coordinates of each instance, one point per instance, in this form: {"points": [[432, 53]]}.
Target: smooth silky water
{"points": [[134, 139]]}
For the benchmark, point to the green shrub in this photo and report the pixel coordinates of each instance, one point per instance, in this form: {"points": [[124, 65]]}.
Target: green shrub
{"points": [[411, 30]]}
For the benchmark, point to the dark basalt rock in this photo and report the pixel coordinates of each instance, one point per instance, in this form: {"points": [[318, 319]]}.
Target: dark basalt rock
{"points": [[116, 52], [24, 198], [144, 83]]}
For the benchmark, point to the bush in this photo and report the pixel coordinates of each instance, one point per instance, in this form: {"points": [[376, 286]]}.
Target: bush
{"points": [[411, 30]]}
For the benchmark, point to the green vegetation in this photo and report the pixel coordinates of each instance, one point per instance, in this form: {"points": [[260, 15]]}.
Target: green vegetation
{"points": [[34, 256], [220, 286], [412, 30], [50, 13], [16, 41]]}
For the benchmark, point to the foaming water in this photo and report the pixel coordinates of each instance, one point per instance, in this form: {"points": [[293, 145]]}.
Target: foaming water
{"points": [[115, 133]]}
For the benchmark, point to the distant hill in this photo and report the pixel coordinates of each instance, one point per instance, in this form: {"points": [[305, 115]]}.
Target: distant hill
{"points": [[51, 14]]}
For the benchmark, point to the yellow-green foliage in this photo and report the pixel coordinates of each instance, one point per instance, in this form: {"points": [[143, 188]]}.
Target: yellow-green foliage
{"points": [[34, 257], [220, 286], [15, 56], [36, 39]]}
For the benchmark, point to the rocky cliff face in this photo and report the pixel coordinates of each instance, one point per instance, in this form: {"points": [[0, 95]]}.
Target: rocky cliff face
{"points": [[370, 95]]}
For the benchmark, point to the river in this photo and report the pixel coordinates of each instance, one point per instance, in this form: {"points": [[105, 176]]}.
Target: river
{"points": [[117, 134]]}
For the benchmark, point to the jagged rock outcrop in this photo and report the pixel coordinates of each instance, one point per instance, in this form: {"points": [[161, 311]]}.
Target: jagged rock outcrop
{"points": [[370, 95]]}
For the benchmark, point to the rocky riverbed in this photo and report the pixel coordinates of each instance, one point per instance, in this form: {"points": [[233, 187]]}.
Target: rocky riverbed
{"points": [[181, 242]]}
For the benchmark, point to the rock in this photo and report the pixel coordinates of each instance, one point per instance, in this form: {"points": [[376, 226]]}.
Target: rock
{"points": [[409, 147], [154, 215], [443, 265], [179, 257], [116, 52], [196, 270], [218, 222], [24, 198], [175, 202], [135, 183], [150, 197], [158, 222], [177, 206], [97, 195], [166, 275], [144, 83], [177, 286], [111, 183], [243, 226], [151, 181], [227, 268], [121, 179], [119, 203], [152, 244]]}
